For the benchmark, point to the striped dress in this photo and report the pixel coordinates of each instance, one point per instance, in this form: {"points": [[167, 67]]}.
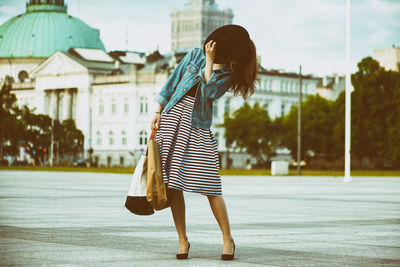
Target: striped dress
{"points": [[189, 155]]}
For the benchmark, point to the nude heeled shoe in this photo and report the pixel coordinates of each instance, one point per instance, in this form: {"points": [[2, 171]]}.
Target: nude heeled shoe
{"points": [[229, 256]]}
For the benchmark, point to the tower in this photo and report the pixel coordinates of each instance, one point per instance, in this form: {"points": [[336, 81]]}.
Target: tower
{"points": [[191, 25]]}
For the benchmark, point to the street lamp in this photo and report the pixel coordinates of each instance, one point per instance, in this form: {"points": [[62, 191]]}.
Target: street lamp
{"points": [[347, 176], [299, 127]]}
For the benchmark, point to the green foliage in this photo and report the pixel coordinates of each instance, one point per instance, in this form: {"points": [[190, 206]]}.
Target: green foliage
{"points": [[338, 132], [251, 129], [376, 114], [37, 131], [11, 129], [69, 137], [316, 125]]}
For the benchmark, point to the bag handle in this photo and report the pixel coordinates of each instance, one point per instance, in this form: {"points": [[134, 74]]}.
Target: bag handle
{"points": [[152, 135]]}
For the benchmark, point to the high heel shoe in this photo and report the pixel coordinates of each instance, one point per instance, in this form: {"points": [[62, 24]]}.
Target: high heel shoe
{"points": [[182, 256], [229, 256]]}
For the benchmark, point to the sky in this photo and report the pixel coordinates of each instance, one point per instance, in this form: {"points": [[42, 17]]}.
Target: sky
{"points": [[287, 33]]}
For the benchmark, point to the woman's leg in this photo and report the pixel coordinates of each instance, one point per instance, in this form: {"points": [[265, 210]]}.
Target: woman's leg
{"points": [[177, 203], [218, 207]]}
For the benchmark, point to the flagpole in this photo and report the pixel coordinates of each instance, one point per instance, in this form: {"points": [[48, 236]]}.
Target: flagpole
{"points": [[347, 175]]}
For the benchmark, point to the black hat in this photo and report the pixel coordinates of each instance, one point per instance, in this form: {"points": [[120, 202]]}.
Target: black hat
{"points": [[232, 43]]}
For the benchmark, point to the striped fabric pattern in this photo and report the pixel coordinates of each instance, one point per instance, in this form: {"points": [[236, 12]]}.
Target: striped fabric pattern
{"points": [[189, 155]]}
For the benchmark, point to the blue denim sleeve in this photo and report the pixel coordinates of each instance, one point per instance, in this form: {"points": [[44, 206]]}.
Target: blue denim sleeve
{"points": [[214, 88], [173, 80]]}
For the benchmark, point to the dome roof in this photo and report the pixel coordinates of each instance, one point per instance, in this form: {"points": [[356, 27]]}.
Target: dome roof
{"points": [[43, 29]]}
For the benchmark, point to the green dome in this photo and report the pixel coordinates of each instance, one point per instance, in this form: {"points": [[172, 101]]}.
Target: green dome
{"points": [[43, 29]]}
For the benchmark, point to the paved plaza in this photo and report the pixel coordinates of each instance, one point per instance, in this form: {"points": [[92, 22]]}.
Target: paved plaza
{"points": [[75, 218]]}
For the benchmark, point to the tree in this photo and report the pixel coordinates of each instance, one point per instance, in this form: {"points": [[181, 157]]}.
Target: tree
{"points": [[37, 133], [251, 129], [338, 132], [69, 137], [316, 128], [375, 114], [11, 128]]}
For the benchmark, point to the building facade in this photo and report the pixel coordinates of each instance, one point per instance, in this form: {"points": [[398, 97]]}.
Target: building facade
{"points": [[110, 95], [389, 58], [331, 86]]}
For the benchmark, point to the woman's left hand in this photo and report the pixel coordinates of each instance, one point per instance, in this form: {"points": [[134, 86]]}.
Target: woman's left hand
{"points": [[210, 51]]}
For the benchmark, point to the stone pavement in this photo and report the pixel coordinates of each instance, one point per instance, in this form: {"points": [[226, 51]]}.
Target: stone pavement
{"points": [[69, 219]]}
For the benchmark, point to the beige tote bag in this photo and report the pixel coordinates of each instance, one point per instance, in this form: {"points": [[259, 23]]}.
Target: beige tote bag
{"points": [[156, 189]]}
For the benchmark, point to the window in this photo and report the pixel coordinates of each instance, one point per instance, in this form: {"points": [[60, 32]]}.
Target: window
{"points": [[101, 106], [113, 106], [98, 137], [111, 137], [143, 138], [270, 85], [217, 137], [282, 109], [124, 140], [22, 75], [126, 105], [143, 104]]}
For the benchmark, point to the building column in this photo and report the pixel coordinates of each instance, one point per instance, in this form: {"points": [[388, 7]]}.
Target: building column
{"points": [[41, 103], [60, 106], [53, 105], [83, 120], [74, 96], [67, 104]]}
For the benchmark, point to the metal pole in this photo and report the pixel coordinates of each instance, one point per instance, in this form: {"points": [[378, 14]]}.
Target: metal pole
{"points": [[57, 154], [90, 126], [347, 177], [299, 128]]}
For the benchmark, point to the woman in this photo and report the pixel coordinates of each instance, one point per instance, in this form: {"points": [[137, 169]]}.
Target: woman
{"points": [[189, 153]]}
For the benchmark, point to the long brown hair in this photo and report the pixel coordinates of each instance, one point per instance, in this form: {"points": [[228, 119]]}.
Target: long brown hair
{"points": [[246, 73]]}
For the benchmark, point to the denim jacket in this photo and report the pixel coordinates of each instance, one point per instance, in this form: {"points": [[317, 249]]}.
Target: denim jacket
{"points": [[189, 72]]}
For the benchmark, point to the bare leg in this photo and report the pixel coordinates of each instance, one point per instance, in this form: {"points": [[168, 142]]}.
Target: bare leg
{"points": [[177, 202], [218, 207]]}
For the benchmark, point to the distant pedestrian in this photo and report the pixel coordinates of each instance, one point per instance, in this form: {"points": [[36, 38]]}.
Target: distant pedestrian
{"points": [[188, 149]]}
